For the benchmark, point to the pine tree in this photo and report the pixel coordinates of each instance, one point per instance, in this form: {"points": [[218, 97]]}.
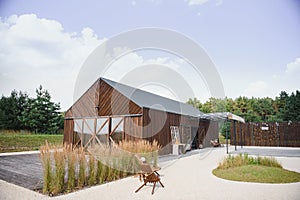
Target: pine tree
{"points": [[11, 109], [42, 116]]}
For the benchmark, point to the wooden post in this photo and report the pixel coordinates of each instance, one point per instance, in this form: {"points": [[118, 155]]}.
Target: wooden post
{"points": [[234, 131], [241, 135], [109, 131], [82, 128], [227, 136], [252, 136]]}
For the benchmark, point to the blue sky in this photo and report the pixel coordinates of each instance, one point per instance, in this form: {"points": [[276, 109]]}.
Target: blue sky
{"points": [[254, 44]]}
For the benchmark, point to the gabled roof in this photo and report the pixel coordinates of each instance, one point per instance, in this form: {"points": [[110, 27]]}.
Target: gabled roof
{"points": [[149, 100]]}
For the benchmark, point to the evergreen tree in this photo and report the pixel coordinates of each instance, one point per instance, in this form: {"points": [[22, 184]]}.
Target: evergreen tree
{"points": [[11, 109], [42, 116], [292, 108]]}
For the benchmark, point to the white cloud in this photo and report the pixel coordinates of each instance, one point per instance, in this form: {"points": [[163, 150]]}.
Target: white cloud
{"points": [[196, 2], [168, 76], [37, 51], [257, 89], [293, 67]]}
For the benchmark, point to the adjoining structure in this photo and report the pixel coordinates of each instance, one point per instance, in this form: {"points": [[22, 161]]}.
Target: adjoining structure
{"points": [[109, 112]]}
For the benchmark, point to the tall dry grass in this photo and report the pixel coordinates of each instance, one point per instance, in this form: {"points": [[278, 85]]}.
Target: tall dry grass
{"points": [[146, 149], [92, 171], [71, 163], [59, 177], [45, 156], [82, 168], [243, 159], [66, 169]]}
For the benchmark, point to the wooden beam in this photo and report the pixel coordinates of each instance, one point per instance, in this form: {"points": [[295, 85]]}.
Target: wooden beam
{"points": [[116, 127]]}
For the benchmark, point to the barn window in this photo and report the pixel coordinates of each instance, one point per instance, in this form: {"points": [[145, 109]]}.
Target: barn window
{"points": [[102, 129], [88, 131], [117, 124], [102, 123], [78, 125]]}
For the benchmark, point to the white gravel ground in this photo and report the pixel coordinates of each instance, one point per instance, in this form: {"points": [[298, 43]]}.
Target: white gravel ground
{"points": [[189, 177]]}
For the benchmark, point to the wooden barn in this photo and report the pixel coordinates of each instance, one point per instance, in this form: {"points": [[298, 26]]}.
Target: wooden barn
{"points": [[109, 112]]}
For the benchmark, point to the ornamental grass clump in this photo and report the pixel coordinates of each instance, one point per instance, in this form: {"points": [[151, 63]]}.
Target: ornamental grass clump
{"points": [[71, 160], [82, 168], [100, 168], [67, 169], [146, 149], [92, 171], [45, 156], [59, 177], [243, 159]]}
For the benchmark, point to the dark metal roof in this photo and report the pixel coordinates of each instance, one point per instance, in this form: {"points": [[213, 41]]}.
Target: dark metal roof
{"points": [[149, 100]]}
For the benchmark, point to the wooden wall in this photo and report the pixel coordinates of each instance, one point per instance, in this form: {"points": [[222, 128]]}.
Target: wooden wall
{"points": [[85, 105], [68, 131], [113, 102], [133, 128], [156, 126], [280, 134]]}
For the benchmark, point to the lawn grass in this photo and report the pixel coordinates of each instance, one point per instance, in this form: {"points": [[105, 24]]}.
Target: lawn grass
{"points": [[254, 169], [258, 174], [18, 141]]}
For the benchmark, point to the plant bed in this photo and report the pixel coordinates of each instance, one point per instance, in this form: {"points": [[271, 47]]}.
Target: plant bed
{"points": [[67, 170], [254, 169]]}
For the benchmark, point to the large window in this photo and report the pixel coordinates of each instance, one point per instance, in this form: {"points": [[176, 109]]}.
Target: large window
{"points": [[95, 130]]}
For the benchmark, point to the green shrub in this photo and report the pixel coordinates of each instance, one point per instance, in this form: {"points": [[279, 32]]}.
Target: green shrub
{"points": [[226, 128]]}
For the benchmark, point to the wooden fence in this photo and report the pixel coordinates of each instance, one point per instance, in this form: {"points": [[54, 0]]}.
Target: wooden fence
{"points": [[284, 134]]}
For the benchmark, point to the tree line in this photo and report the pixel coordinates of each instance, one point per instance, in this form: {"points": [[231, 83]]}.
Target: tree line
{"points": [[284, 107], [39, 115]]}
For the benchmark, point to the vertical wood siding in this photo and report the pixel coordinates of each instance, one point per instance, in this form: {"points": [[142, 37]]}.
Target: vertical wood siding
{"points": [[156, 126], [113, 102], [133, 128], [86, 104], [280, 134], [68, 131]]}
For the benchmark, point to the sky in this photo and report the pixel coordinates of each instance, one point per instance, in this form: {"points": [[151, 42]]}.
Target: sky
{"points": [[254, 44]]}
